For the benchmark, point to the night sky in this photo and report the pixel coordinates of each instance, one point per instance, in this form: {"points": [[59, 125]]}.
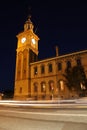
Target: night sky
{"points": [[56, 23]]}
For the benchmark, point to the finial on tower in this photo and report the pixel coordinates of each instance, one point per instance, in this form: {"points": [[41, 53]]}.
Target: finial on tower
{"points": [[29, 12], [28, 24], [29, 16]]}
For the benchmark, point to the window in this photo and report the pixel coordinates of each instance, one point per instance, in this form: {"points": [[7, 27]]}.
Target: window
{"points": [[35, 87], [78, 62], [33, 57], [43, 87], [42, 69], [68, 64], [35, 70], [61, 85], [59, 66], [82, 86], [50, 67], [51, 86]]}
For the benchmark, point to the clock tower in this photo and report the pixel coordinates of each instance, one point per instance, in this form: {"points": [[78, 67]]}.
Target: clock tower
{"points": [[26, 52]]}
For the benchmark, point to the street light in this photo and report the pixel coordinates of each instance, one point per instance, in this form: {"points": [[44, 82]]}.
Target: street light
{"points": [[52, 92], [44, 90]]}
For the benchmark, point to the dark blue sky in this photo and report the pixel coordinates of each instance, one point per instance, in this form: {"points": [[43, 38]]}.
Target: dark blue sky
{"points": [[57, 23]]}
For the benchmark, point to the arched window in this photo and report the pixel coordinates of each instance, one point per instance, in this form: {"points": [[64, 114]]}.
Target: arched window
{"points": [[50, 68], [61, 85], [78, 61], [42, 69], [35, 70], [43, 87], [35, 87], [51, 86], [82, 86], [68, 64], [59, 66]]}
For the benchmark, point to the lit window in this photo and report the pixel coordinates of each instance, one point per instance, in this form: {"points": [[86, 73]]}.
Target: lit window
{"points": [[43, 87], [82, 86], [61, 83], [51, 86]]}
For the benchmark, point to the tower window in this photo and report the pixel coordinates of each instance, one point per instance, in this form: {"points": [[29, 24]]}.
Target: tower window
{"points": [[50, 68], [33, 57]]}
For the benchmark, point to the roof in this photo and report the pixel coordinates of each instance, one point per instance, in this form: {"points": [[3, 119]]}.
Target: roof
{"points": [[60, 56]]}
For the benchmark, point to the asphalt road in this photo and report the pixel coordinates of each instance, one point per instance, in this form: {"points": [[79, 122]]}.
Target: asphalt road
{"points": [[17, 118]]}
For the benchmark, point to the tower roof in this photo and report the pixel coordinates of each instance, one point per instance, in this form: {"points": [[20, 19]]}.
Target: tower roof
{"points": [[28, 24]]}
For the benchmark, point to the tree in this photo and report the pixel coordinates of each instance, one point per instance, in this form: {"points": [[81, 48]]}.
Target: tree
{"points": [[69, 78], [8, 94], [75, 78]]}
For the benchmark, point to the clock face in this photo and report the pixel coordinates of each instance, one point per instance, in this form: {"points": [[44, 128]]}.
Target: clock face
{"points": [[33, 41], [23, 39]]}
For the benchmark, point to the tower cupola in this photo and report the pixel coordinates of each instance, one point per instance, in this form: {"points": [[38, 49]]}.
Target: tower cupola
{"points": [[28, 24]]}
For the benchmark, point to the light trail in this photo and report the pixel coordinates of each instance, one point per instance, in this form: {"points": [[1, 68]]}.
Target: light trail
{"points": [[46, 113], [44, 104]]}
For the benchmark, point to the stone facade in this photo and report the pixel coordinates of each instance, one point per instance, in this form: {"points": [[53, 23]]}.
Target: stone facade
{"points": [[50, 82], [41, 80]]}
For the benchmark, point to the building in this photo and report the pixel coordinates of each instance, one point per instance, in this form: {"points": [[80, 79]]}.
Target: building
{"points": [[42, 79]]}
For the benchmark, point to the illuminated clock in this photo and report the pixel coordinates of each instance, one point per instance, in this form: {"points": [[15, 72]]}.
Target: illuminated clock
{"points": [[23, 39], [33, 41]]}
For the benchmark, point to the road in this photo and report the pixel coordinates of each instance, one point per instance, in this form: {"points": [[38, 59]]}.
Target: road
{"points": [[25, 118]]}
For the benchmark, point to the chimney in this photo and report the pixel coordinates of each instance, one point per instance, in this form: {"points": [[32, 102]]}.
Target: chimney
{"points": [[57, 51]]}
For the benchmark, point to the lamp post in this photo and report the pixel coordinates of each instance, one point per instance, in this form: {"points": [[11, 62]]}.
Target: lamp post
{"points": [[57, 78], [83, 88], [44, 90], [52, 92]]}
